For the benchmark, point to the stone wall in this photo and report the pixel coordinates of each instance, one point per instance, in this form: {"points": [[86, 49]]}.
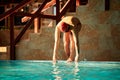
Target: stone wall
{"points": [[100, 34], [99, 37]]}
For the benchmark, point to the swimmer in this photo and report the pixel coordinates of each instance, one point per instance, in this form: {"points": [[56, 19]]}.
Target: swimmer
{"points": [[70, 27]]}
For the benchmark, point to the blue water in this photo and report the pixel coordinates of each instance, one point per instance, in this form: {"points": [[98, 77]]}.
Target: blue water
{"points": [[45, 70]]}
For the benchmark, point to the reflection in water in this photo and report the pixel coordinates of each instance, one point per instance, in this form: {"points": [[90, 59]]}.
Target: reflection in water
{"points": [[56, 72], [76, 71], [69, 71]]}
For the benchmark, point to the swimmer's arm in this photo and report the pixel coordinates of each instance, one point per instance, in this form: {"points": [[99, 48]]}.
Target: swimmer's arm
{"points": [[75, 38], [56, 44]]}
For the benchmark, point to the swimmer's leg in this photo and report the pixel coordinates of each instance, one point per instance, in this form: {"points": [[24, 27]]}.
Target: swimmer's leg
{"points": [[66, 41], [72, 49]]}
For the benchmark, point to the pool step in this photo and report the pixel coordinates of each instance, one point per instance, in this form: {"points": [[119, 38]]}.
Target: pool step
{"points": [[39, 46]]}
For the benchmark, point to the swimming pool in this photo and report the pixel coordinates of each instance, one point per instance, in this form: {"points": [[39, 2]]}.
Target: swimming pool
{"points": [[45, 70]]}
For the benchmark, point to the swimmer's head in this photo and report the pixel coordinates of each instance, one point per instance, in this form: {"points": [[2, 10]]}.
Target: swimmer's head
{"points": [[64, 27]]}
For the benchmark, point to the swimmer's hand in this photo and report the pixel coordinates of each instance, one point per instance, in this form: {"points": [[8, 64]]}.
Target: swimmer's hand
{"points": [[76, 58], [54, 61]]}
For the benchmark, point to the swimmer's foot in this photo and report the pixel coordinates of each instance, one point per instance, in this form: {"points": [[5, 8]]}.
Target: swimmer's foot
{"points": [[69, 60]]}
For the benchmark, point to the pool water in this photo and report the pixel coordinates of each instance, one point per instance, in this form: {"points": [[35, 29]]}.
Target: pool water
{"points": [[45, 70]]}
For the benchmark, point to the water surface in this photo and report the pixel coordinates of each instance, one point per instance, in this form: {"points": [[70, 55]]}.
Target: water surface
{"points": [[45, 70]]}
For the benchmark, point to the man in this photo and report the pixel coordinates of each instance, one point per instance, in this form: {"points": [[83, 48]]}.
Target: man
{"points": [[70, 26]]}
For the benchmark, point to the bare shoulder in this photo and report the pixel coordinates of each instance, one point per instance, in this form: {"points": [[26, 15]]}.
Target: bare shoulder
{"points": [[71, 20], [67, 18]]}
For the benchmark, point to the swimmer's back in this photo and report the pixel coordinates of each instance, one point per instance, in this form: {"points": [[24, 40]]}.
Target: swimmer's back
{"points": [[71, 20]]}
